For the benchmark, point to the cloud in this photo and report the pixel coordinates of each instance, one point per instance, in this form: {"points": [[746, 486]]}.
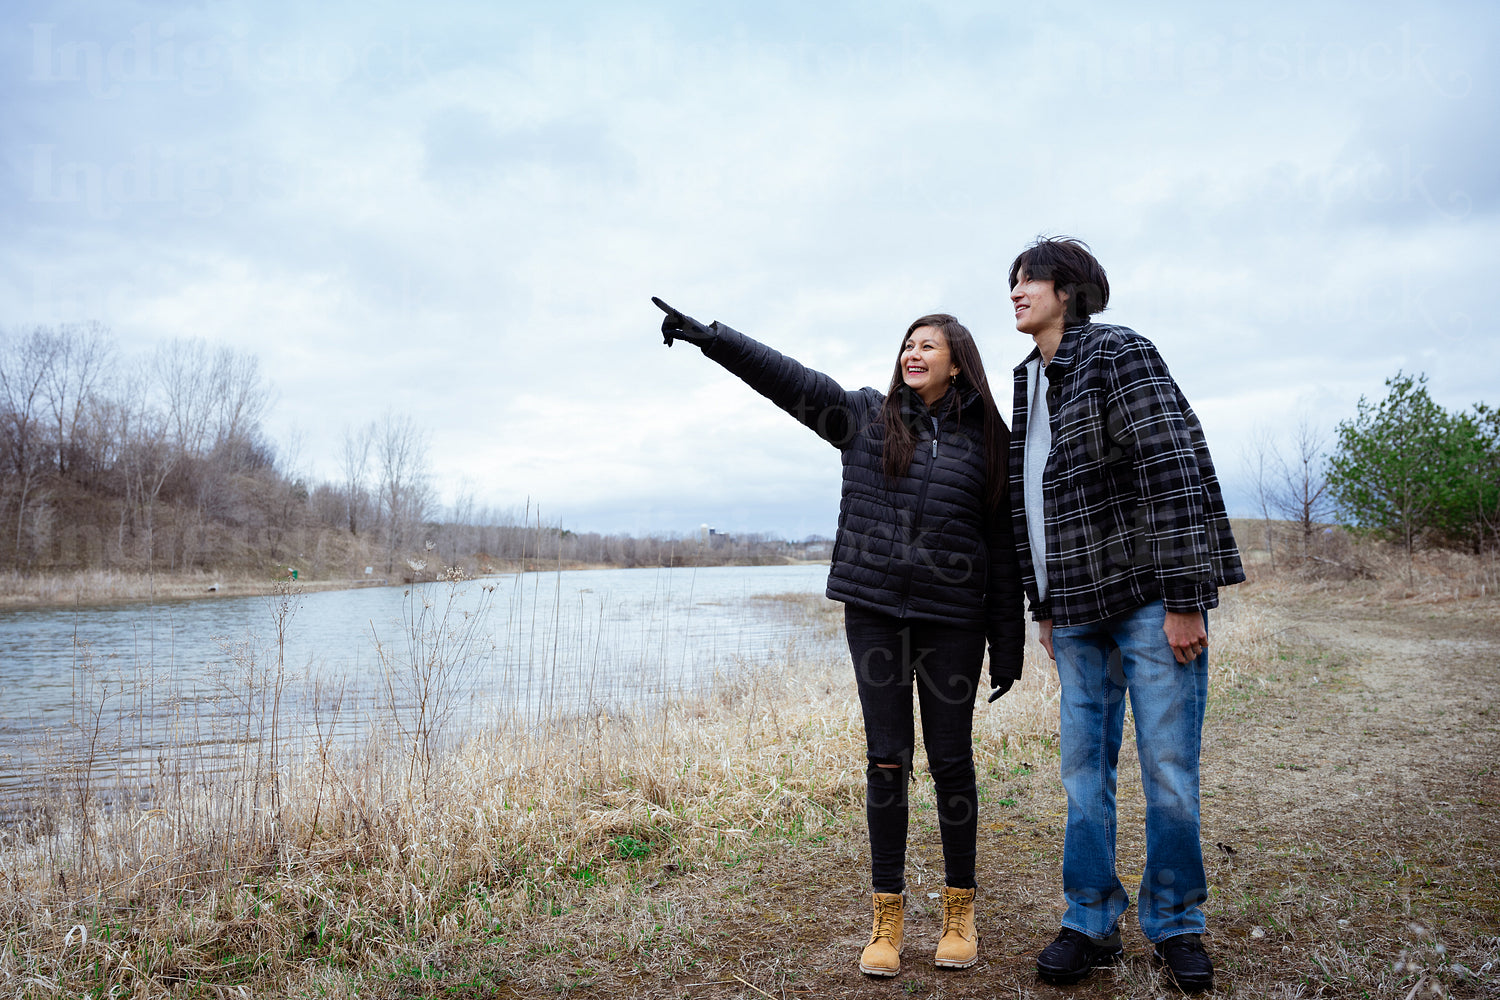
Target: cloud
{"points": [[462, 212]]}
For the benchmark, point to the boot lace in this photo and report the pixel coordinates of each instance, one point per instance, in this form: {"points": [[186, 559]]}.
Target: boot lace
{"points": [[954, 908], [887, 913]]}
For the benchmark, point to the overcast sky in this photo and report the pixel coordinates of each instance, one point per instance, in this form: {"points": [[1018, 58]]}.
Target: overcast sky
{"points": [[459, 211]]}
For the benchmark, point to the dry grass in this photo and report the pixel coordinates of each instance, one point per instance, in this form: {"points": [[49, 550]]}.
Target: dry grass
{"points": [[1337, 560], [716, 847]]}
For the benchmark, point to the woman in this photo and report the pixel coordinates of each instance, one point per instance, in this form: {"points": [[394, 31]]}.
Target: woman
{"points": [[925, 566]]}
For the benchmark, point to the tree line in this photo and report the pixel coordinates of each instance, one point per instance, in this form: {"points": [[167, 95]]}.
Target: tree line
{"points": [[161, 463], [1403, 469]]}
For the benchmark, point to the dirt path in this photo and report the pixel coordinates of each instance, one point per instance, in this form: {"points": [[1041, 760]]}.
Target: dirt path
{"points": [[1351, 814]]}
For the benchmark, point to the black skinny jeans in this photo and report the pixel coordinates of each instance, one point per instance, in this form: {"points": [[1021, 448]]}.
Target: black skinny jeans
{"points": [[944, 661]]}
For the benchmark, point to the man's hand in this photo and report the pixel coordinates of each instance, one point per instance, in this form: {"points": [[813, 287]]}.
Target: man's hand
{"points": [[680, 326], [1044, 632], [1185, 634]]}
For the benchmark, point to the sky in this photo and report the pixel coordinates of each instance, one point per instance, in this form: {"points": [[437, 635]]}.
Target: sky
{"points": [[459, 212]]}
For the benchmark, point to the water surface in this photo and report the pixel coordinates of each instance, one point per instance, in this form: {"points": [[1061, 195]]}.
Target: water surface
{"points": [[119, 690]]}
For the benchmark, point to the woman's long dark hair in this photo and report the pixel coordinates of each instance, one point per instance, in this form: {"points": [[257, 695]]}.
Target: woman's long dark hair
{"points": [[900, 442]]}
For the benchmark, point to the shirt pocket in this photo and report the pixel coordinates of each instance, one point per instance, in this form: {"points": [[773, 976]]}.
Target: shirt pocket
{"points": [[1082, 451]]}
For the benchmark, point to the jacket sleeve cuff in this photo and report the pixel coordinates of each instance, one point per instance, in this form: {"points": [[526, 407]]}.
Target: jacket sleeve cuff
{"points": [[1006, 661], [1041, 611], [1190, 598], [726, 343]]}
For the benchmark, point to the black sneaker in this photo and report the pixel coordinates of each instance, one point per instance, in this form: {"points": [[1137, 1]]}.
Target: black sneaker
{"points": [[1189, 964], [1074, 954]]}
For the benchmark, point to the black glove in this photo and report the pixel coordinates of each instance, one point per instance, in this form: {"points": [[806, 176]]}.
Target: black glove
{"points": [[678, 326], [998, 686]]}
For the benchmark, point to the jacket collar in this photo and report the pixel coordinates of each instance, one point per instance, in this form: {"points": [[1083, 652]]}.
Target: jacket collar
{"points": [[914, 409], [1067, 350]]}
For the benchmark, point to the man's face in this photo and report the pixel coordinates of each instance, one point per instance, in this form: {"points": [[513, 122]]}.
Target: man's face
{"points": [[1038, 305]]}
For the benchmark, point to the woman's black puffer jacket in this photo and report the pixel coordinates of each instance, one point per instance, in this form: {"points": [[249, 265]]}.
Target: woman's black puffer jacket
{"points": [[921, 546]]}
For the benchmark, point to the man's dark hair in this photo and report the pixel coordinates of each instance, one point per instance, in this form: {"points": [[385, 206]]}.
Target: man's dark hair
{"points": [[1071, 267]]}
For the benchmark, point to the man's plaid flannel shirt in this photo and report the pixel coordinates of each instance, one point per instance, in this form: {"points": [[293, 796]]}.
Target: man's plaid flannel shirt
{"points": [[1134, 512]]}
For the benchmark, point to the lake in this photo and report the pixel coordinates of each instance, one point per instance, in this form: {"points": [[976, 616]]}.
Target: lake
{"points": [[116, 689]]}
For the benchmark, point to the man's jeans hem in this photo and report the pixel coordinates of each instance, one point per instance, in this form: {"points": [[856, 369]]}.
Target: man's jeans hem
{"points": [[1086, 932]]}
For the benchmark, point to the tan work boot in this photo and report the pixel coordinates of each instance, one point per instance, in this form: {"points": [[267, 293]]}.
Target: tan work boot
{"points": [[882, 956], [959, 947]]}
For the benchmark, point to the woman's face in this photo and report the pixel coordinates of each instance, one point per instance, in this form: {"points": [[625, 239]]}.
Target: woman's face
{"points": [[926, 364]]}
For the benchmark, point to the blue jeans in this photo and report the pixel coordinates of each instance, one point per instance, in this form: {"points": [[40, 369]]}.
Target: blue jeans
{"points": [[1097, 664], [891, 656]]}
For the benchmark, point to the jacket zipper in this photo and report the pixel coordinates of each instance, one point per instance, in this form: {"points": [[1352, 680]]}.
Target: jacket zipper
{"points": [[916, 521]]}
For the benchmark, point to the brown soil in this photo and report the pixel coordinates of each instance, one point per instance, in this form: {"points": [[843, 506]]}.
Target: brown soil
{"points": [[1351, 818]]}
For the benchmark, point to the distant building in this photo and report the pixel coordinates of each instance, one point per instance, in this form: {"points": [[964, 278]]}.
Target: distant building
{"points": [[814, 547]]}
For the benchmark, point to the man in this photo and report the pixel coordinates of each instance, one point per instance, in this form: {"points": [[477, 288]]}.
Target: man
{"points": [[1123, 542]]}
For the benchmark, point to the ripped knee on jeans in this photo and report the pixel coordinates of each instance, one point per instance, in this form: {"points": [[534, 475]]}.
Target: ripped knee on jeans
{"points": [[886, 779], [885, 763]]}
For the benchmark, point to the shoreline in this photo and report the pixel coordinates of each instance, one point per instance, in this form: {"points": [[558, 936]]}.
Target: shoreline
{"points": [[95, 588], [98, 588]]}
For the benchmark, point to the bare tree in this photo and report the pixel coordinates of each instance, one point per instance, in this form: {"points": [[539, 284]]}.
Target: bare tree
{"points": [[1260, 456], [25, 370], [460, 532], [240, 396], [84, 354], [404, 492], [212, 396], [182, 372], [213, 401], [95, 437], [354, 463], [1300, 491], [149, 453], [281, 505]]}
